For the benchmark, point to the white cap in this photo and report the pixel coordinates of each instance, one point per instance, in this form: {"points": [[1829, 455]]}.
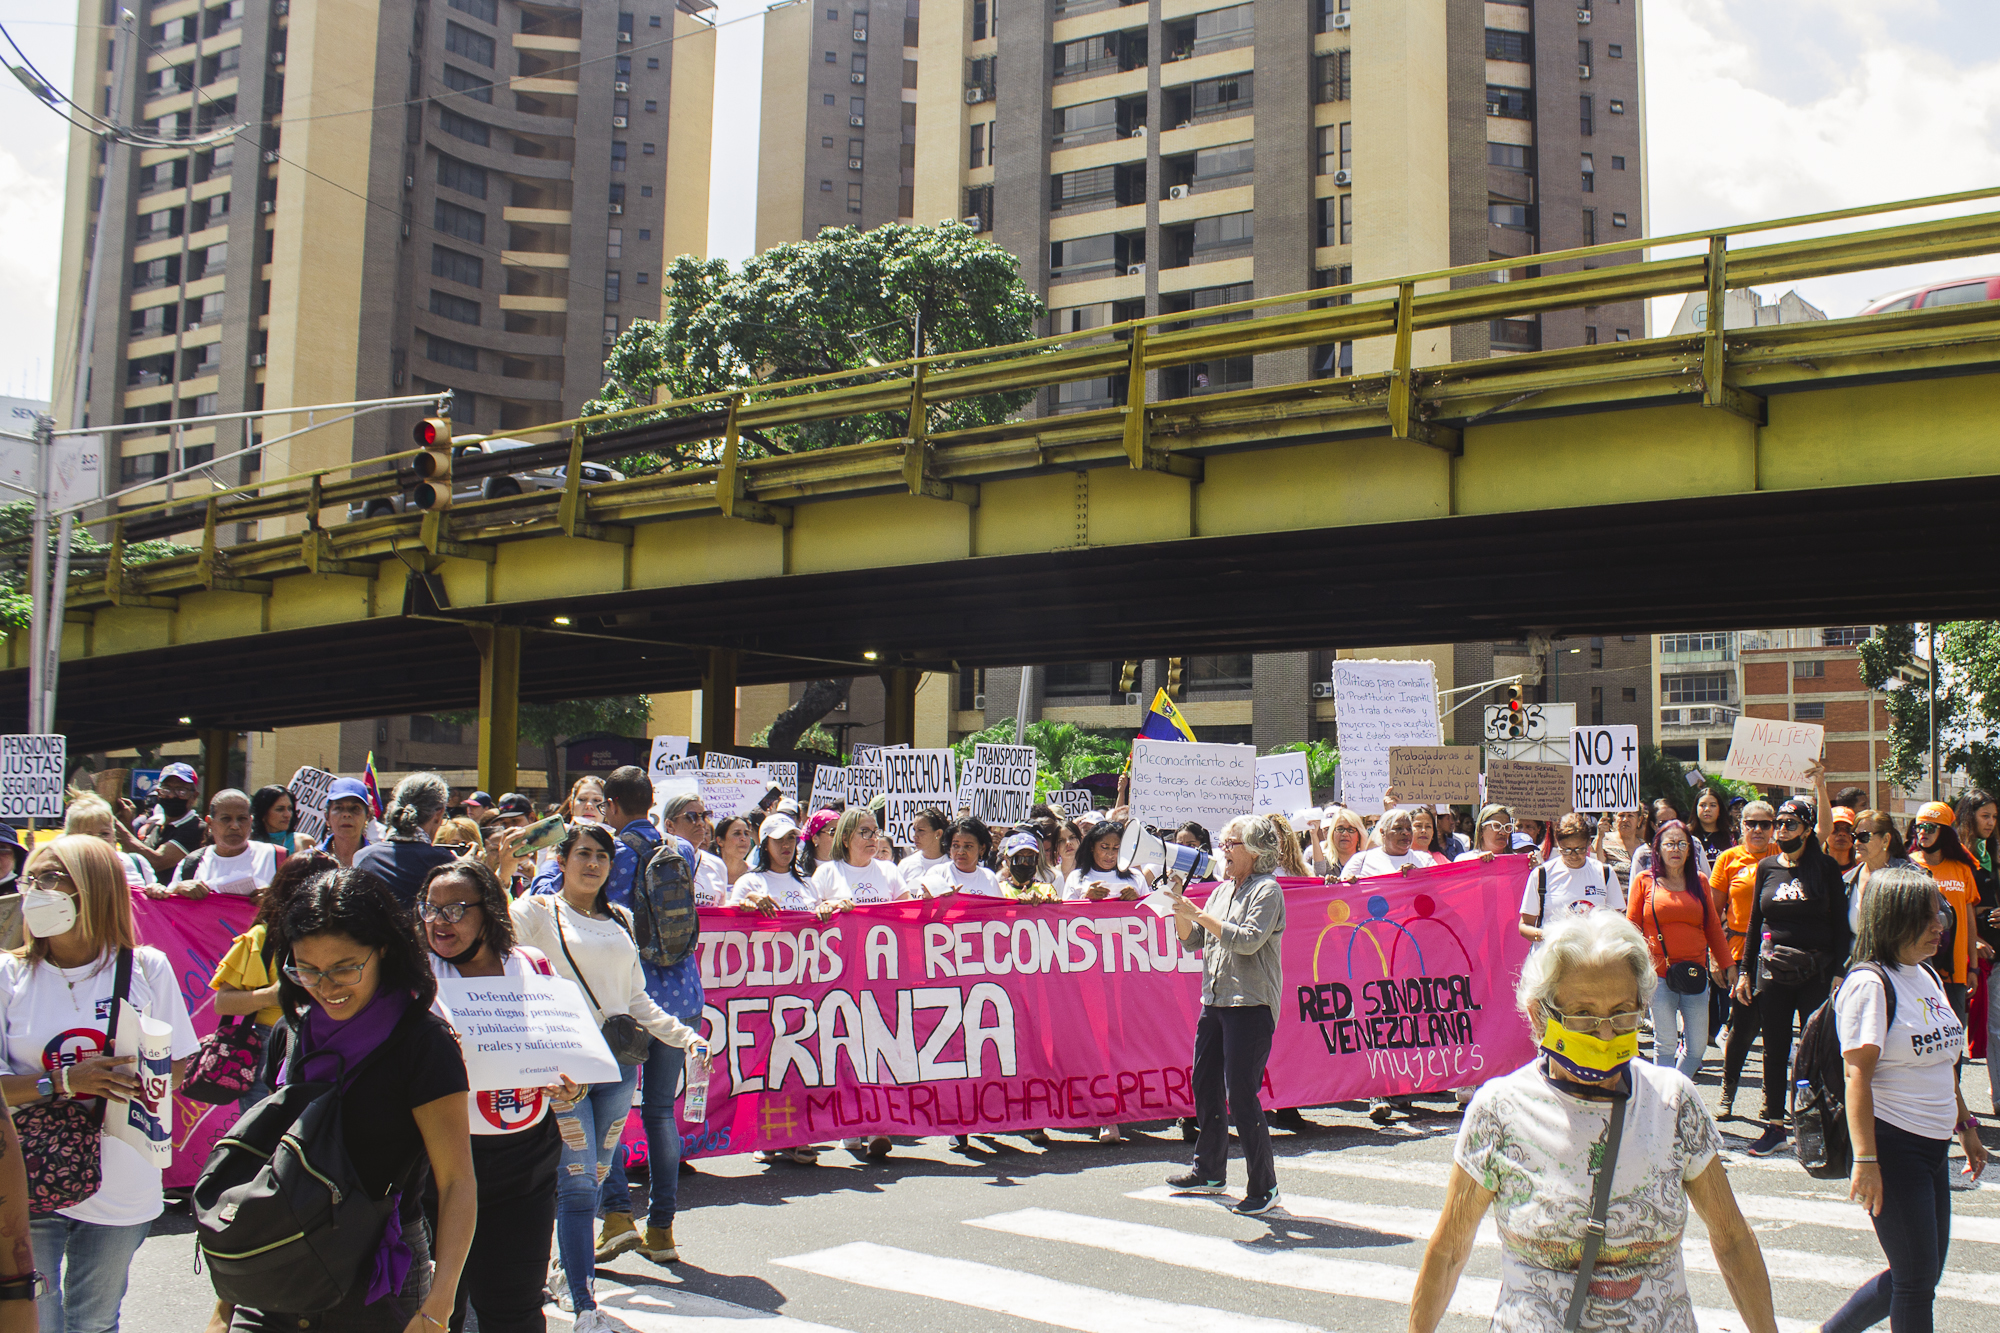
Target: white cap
{"points": [[777, 825]]}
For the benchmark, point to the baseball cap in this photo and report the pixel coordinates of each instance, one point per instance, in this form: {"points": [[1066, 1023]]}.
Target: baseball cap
{"points": [[1843, 815], [513, 803], [1936, 812], [185, 772], [348, 789], [776, 825], [479, 800], [1020, 842]]}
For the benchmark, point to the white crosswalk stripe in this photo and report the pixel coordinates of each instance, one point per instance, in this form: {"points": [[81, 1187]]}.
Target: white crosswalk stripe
{"points": [[1024, 1295], [660, 1308]]}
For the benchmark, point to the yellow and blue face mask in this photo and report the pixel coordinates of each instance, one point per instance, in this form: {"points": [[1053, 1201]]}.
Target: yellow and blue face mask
{"points": [[1587, 1056]]}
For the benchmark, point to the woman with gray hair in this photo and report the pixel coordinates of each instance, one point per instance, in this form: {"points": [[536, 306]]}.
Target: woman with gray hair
{"points": [[1608, 1238], [1239, 932], [1900, 1041], [401, 861]]}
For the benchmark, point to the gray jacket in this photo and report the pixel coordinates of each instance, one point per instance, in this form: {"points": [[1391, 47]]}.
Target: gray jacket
{"points": [[1244, 966]]}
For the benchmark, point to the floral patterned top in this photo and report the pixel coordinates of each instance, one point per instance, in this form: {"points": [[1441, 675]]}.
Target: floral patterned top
{"points": [[1535, 1148]]}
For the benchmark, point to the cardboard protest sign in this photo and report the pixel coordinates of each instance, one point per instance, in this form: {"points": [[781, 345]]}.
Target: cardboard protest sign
{"points": [[666, 749], [1072, 801], [1774, 751], [309, 787], [1531, 791], [728, 792], [32, 776], [1605, 768], [1435, 774], [1378, 706], [829, 787], [999, 783], [1174, 782], [1284, 784], [525, 1032], [714, 759], [914, 781]]}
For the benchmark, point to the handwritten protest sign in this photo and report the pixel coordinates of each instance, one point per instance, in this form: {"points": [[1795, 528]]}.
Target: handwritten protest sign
{"points": [[666, 750], [1177, 781], [1378, 706], [146, 1121], [1072, 801], [309, 787], [1531, 791], [829, 787], [785, 774], [1605, 768], [999, 783], [1284, 784], [1437, 774], [525, 1032], [1772, 750], [715, 759], [32, 769], [914, 781], [728, 792]]}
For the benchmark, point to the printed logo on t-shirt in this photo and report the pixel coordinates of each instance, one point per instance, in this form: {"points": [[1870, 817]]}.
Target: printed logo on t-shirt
{"points": [[510, 1108], [72, 1048], [1582, 906], [1945, 1032], [1791, 891]]}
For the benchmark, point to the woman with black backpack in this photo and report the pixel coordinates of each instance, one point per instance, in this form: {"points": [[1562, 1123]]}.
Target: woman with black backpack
{"points": [[1900, 1040], [356, 989]]}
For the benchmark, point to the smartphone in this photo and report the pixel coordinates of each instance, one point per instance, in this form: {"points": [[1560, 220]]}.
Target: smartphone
{"points": [[543, 834]]}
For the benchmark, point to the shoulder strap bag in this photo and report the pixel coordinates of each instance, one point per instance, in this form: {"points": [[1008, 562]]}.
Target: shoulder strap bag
{"points": [[1600, 1208], [62, 1139], [1681, 978], [629, 1042]]}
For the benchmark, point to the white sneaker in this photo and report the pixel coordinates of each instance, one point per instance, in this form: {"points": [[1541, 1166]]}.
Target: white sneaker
{"points": [[592, 1321]]}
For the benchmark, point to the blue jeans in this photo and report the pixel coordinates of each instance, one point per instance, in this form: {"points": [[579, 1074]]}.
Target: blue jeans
{"points": [[87, 1267], [590, 1132], [1692, 1010], [659, 1086], [1914, 1228]]}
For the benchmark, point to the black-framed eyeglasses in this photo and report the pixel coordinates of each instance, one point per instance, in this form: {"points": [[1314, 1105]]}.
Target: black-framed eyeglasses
{"points": [[1619, 1023], [1757, 823], [449, 913], [312, 978], [1862, 837]]}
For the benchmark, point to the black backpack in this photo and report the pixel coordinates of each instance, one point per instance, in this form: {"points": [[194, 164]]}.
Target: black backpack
{"points": [[1819, 1110], [283, 1219], [664, 921]]}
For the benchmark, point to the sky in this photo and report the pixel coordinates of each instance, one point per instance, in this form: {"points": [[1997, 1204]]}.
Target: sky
{"points": [[1755, 109]]}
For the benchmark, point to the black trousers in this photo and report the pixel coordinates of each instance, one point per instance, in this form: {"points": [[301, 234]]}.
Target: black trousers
{"points": [[1781, 1010], [509, 1258], [1742, 1032], [1231, 1046]]}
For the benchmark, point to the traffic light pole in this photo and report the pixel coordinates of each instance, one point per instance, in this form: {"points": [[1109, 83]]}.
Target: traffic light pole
{"points": [[1473, 689]]}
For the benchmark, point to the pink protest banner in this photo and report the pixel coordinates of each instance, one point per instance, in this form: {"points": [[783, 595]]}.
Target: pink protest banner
{"points": [[194, 934], [985, 1016]]}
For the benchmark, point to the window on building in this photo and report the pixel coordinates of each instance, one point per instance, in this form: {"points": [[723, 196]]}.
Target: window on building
{"points": [[1629, 694], [474, 46], [854, 197], [833, 57], [464, 223], [1078, 189], [857, 110], [1583, 53], [466, 82], [1590, 226], [652, 108], [826, 187], [653, 21], [454, 307], [487, 11], [1597, 659], [1225, 232], [1513, 156], [1846, 636], [652, 62], [1617, 107], [614, 243], [858, 64], [611, 280], [617, 156], [1808, 670], [1234, 159], [1704, 687], [982, 26], [1509, 103], [1589, 174], [1617, 163], [1225, 671], [1622, 335], [1809, 712], [448, 353], [645, 192], [453, 174], [978, 151], [1346, 219], [826, 99], [1617, 51], [1086, 122], [1222, 97], [1584, 107], [1618, 219], [1083, 255], [1590, 335], [645, 278], [645, 150], [1334, 77], [1597, 705], [471, 131], [1695, 643], [1503, 45]]}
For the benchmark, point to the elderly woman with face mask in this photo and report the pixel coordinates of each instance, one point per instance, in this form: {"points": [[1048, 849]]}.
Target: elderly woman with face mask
{"points": [[1534, 1142]]}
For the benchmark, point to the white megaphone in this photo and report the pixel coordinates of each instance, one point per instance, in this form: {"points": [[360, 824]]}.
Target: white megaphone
{"points": [[1141, 846]]}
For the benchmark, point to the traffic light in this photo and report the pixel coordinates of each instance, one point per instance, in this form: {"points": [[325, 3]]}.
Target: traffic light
{"points": [[1517, 721], [433, 466], [1128, 676], [1173, 677]]}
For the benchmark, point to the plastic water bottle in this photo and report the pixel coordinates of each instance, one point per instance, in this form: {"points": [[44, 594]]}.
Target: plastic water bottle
{"points": [[1808, 1132], [694, 1107]]}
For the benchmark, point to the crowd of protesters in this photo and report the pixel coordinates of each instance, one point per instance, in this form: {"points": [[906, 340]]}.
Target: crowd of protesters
{"points": [[1746, 915]]}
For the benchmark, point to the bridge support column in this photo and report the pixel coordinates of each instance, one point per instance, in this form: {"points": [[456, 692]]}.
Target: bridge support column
{"points": [[215, 748], [499, 707], [899, 706], [718, 699]]}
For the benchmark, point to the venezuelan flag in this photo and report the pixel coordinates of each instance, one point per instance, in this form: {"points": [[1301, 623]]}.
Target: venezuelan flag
{"points": [[368, 781], [1164, 721]]}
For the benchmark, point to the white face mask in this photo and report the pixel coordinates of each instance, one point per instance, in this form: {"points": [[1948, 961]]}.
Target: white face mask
{"points": [[47, 913]]}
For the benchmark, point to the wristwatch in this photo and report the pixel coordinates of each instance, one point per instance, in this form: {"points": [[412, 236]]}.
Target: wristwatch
{"points": [[45, 1087], [25, 1288]]}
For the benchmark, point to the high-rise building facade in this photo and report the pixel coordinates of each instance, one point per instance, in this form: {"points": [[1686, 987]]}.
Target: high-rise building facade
{"points": [[472, 195], [838, 120]]}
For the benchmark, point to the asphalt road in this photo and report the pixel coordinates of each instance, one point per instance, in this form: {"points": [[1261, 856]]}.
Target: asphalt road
{"points": [[1081, 1236]]}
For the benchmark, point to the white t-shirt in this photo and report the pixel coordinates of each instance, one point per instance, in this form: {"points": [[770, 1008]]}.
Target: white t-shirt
{"points": [[510, 1110], [916, 865], [1533, 1146], [242, 875], [46, 1025], [978, 881], [870, 882], [138, 870], [1380, 861], [1080, 881], [608, 958], [1570, 892], [711, 881], [789, 893], [1913, 1085]]}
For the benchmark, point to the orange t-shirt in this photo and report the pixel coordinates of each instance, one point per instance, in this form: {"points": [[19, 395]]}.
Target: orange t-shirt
{"points": [[1690, 929], [1734, 879], [1955, 882]]}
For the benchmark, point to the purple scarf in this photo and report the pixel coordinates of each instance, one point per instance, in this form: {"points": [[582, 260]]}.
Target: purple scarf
{"points": [[353, 1039]]}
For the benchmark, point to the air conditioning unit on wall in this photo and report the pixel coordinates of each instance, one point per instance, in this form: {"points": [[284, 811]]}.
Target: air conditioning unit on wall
{"points": [[1180, 192], [1343, 178], [1322, 689]]}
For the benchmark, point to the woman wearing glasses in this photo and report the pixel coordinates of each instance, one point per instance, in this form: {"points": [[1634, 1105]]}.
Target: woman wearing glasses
{"points": [[515, 1147], [1494, 836], [1573, 884], [1733, 881], [55, 998], [1531, 1141], [1798, 938], [1935, 846], [586, 801], [855, 874], [1346, 835], [589, 941], [357, 995], [1877, 846]]}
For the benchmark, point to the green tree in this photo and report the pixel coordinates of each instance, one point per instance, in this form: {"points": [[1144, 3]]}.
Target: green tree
{"points": [[545, 724], [87, 555], [1966, 683], [1064, 751], [1322, 761], [845, 301], [1660, 774], [814, 737]]}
